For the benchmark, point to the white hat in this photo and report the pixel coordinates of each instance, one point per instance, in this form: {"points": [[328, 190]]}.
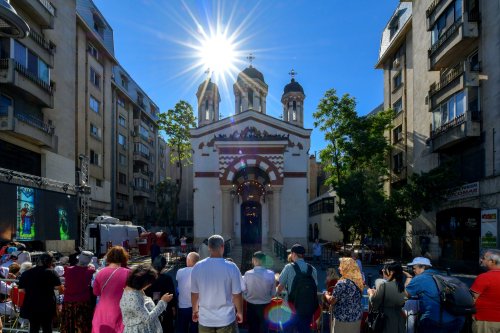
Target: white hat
{"points": [[420, 261]]}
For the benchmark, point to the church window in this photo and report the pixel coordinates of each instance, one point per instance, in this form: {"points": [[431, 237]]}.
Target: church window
{"points": [[207, 111], [260, 103], [294, 106], [250, 99], [294, 115]]}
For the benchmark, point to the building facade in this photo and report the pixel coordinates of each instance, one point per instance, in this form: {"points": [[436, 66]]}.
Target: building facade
{"points": [[251, 170], [444, 55]]}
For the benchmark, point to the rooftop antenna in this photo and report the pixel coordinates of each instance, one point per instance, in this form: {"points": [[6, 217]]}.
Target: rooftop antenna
{"points": [[250, 58]]}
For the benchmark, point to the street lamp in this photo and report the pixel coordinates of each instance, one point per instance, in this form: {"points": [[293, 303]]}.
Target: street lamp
{"points": [[213, 220], [11, 24]]}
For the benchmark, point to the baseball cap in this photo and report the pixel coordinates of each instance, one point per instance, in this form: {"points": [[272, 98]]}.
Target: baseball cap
{"points": [[297, 248], [420, 261]]}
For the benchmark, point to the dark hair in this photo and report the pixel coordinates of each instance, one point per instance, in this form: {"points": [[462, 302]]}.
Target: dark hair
{"points": [[46, 260], [160, 263], [215, 242], [117, 255], [397, 273], [141, 276]]}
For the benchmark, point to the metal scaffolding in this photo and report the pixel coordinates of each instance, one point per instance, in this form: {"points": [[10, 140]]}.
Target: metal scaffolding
{"points": [[83, 194]]}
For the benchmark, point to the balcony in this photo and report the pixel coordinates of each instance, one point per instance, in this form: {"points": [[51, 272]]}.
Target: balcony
{"points": [[47, 45], [11, 72], [457, 78], [398, 174], [27, 127], [141, 157], [456, 43], [141, 174], [41, 11], [459, 129], [141, 192]]}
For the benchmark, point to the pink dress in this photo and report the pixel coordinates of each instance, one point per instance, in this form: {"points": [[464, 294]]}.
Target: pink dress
{"points": [[107, 314]]}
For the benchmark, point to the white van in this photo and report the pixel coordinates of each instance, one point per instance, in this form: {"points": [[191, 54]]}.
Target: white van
{"points": [[106, 229]]}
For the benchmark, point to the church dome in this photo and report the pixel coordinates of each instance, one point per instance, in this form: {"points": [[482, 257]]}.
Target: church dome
{"points": [[293, 86], [207, 87], [250, 73]]}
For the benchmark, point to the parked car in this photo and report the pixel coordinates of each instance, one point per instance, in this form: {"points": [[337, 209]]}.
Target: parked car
{"points": [[359, 249]]}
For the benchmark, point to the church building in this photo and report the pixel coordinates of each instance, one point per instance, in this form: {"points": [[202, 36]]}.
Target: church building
{"points": [[250, 169]]}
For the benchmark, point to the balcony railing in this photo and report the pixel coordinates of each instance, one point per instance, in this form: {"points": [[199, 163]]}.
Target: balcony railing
{"points": [[35, 122], [40, 40], [455, 122], [4, 64], [445, 80], [432, 7], [447, 35], [48, 5]]}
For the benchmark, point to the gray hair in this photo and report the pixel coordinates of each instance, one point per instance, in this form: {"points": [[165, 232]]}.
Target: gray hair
{"points": [[493, 255], [215, 242], [194, 257]]}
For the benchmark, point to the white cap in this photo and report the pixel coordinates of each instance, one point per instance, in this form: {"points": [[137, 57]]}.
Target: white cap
{"points": [[420, 261]]}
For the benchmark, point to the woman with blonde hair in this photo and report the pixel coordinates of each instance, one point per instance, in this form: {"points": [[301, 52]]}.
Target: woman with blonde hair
{"points": [[346, 297], [108, 286]]}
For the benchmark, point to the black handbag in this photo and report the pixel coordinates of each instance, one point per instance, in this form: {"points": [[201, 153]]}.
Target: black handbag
{"points": [[375, 320]]}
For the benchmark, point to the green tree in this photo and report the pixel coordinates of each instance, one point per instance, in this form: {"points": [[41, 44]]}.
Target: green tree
{"points": [[356, 160], [165, 192], [177, 123]]}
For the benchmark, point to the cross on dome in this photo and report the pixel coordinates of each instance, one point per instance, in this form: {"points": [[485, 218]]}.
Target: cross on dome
{"points": [[292, 73], [250, 58]]}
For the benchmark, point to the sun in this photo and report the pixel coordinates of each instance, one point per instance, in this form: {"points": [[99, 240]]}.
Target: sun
{"points": [[217, 54]]}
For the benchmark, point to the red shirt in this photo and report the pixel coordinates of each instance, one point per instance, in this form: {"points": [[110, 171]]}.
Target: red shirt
{"points": [[487, 285], [77, 283]]}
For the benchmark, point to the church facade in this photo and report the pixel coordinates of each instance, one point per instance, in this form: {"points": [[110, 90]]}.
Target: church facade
{"points": [[250, 170]]}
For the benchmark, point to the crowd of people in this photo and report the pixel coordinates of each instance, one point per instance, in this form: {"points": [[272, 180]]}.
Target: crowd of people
{"points": [[211, 294]]}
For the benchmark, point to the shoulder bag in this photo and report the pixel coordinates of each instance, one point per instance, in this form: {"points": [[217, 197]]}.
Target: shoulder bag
{"points": [[376, 318]]}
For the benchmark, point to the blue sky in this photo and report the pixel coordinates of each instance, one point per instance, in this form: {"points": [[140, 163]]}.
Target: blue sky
{"points": [[329, 43]]}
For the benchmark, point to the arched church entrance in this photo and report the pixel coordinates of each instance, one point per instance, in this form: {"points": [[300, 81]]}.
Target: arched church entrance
{"points": [[250, 184], [251, 223]]}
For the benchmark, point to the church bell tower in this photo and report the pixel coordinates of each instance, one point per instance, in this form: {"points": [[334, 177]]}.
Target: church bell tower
{"points": [[208, 102]]}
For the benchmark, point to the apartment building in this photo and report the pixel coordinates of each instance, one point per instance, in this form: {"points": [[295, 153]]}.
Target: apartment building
{"points": [[37, 90], [440, 59], [139, 161]]}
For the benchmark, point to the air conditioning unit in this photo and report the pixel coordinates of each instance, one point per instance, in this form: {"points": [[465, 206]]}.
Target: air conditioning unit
{"points": [[396, 63]]}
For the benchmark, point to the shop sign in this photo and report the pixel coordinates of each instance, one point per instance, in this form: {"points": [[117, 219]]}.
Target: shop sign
{"points": [[465, 191], [489, 227]]}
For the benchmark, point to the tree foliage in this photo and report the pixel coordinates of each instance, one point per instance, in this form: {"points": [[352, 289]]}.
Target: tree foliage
{"points": [[356, 160], [177, 123]]}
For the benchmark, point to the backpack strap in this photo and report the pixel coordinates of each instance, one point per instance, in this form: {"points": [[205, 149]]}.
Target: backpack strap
{"points": [[437, 282]]}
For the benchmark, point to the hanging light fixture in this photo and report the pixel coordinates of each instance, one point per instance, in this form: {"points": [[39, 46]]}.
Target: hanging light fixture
{"points": [[11, 24]]}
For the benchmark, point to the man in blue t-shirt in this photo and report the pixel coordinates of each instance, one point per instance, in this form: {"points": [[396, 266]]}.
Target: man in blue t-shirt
{"points": [[432, 318]]}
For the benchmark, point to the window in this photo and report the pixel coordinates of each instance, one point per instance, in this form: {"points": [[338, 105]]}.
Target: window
{"points": [[124, 81], [397, 162], [451, 15], [95, 131], [122, 140], [121, 102], [394, 25], [95, 78], [93, 51], [31, 62], [122, 121], [397, 80], [122, 159], [450, 109], [98, 182], [122, 178], [140, 99], [207, 111], [474, 64], [143, 131], [142, 149], [5, 102], [141, 183], [250, 99], [94, 158], [98, 24], [397, 134], [323, 206], [398, 106], [94, 104]]}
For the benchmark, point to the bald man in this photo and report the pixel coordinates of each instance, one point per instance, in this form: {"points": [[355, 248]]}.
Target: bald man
{"points": [[185, 322]]}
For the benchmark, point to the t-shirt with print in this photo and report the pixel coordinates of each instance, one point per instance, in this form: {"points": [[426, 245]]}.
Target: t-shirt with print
{"points": [[487, 285]]}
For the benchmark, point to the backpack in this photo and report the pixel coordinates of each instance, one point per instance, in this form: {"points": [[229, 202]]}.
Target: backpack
{"points": [[454, 295], [303, 294]]}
